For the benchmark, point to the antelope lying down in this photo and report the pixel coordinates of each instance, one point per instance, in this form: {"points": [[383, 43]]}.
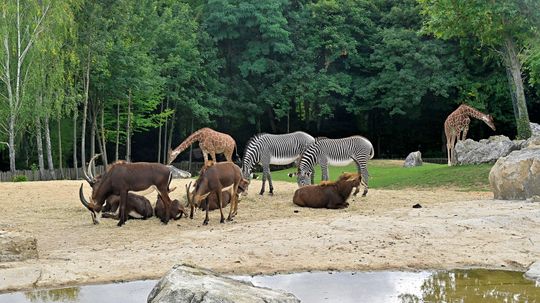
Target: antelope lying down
{"points": [[123, 177], [331, 195]]}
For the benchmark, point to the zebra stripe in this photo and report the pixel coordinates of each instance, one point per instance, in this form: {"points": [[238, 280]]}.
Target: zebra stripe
{"points": [[267, 149], [335, 152]]}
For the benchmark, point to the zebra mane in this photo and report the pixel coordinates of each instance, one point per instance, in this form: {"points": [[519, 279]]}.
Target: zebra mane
{"points": [[254, 138]]}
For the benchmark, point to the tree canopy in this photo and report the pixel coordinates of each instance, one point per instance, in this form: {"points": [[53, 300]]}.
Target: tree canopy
{"points": [[131, 78]]}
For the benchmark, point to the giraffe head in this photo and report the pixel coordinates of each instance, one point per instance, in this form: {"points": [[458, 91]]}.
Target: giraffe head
{"points": [[172, 154], [489, 121]]}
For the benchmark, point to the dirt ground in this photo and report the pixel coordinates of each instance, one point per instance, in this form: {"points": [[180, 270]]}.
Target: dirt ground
{"points": [[453, 229]]}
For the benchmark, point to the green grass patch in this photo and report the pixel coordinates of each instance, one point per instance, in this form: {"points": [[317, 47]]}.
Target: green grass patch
{"points": [[389, 174]]}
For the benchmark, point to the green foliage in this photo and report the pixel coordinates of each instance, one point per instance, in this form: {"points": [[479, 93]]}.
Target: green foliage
{"points": [[391, 175], [19, 178]]}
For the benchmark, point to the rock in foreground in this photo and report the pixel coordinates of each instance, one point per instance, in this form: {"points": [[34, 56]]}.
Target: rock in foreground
{"points": [[16, 246], [517, 176], [184, 283], [533, 272]]}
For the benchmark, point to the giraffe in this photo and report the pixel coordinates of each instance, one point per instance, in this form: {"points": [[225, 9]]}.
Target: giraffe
{"points": [[457, 122], [210, 141]]}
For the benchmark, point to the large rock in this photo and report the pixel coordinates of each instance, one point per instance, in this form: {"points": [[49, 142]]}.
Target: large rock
{"points": [[413, 159], [184, 283], [535, 129], [517, 176], [16, 246], [485, 150], [533, 272]]}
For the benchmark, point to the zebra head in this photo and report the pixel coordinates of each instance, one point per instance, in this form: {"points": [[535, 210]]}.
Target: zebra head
{"points": [[303, 177]]}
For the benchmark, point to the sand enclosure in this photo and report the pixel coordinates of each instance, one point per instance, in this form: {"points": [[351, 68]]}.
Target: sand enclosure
{"points": [[453, 229]]}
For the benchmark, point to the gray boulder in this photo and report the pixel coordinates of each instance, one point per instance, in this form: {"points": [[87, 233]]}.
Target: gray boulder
{"points": [[485, 150], [15, 246], [413, 159], [535, 129], [185, 283], [517, 176], [533, 272]]}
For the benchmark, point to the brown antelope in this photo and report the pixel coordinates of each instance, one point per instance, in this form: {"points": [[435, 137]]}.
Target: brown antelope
{"points": [[331, 195], [138, 207], [122, 177], [218, 178]]}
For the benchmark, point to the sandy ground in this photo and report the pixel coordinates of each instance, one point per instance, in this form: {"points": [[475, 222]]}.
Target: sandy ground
{"points": [[381, 231]]}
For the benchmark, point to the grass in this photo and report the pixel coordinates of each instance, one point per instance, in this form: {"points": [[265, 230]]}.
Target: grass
{"points": [[389, 174]]}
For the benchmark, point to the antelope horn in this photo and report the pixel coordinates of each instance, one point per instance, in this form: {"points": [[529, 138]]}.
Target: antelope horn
{"points": [[89, 173], [87, 205]]}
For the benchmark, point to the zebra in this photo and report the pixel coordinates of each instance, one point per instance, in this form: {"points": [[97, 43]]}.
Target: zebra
{"points": [[335, 152], [269, 149]]}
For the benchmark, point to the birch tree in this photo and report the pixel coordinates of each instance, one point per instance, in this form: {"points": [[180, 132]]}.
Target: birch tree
{"points": [[19, 34]]}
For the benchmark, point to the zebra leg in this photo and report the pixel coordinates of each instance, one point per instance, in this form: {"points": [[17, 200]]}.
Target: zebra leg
{"points": [[362, 170], [271, 192], [324, 172], [266, 171]]}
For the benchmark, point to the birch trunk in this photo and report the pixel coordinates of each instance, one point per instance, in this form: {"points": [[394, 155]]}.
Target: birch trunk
{"points": [[117, 129], [60, 160], [103, 139], [85, 111], [39, 143], [128, 129], [49, 148], [93, 140], [159, 138], [166, 145], [75, 162]]}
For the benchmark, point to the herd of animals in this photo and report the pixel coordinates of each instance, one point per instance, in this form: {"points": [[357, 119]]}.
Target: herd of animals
{"points": [[222, 183]]}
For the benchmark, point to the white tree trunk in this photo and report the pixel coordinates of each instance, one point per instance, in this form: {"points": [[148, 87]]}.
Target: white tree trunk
{"points": [[39, 143], [75, 162], [49, 148], [117, 130], [128, 134]]}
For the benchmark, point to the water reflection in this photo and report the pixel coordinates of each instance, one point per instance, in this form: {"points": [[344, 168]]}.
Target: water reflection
{"points": [[479, 286], [53, 295], [400, 287]]}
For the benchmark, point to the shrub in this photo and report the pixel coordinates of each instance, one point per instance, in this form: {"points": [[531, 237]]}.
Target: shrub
{"points": [[20, 178]]}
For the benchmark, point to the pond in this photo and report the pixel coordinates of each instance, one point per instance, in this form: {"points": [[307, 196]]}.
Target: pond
{"points": [[383, 286]]}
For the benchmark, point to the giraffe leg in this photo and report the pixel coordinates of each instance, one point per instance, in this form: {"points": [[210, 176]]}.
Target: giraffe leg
{"points": [[228, 155], [448, 152], [205, 156], [213, 154], [453, 149], [464, 135]]}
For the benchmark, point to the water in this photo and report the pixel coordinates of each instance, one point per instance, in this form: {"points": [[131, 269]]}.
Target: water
{"points": [[477, 286]]}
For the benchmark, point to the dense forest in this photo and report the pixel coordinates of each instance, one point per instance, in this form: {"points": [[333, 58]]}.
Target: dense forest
{"points": [[129, 79]]}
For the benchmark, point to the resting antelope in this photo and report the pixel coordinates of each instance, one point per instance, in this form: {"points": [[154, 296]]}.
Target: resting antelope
{"points": [[123, 177]]}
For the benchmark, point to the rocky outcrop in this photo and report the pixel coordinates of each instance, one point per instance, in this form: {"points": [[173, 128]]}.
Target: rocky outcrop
{"points": [[184, 283], [413, 159], [15, 246], [535, 129], [517, 176], [533, 272], [484, 151]]}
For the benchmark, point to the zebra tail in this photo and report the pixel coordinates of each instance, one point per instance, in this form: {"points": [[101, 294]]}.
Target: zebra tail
{"points": [[372, 153]]}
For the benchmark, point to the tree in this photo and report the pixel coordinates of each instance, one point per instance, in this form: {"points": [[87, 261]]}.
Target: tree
{"points": [[505, 26], [20, 32]]}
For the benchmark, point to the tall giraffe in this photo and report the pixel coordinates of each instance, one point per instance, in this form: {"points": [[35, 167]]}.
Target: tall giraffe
{"points": [[457, 122], [210, 141]]}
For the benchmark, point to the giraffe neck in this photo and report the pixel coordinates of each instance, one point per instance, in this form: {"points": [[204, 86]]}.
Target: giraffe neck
{"points": [[469, 111], [196, 136]]}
